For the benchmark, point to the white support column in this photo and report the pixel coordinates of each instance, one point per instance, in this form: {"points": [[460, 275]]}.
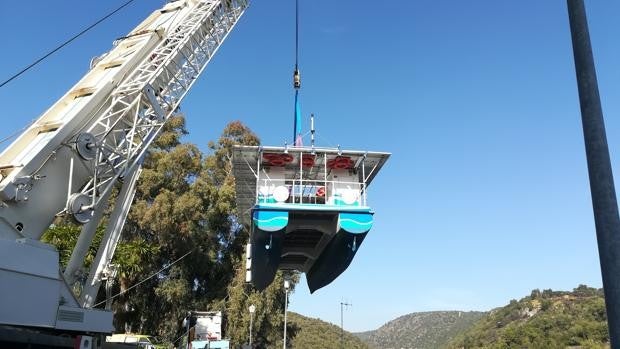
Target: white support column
{"points": [[72, 272], [110, 239]]}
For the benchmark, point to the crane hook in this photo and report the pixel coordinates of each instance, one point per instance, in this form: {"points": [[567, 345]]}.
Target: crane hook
{"points": [[296, 79]]}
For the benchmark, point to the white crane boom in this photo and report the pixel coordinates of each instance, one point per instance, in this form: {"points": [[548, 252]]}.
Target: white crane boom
{"points": [[89, 141]]}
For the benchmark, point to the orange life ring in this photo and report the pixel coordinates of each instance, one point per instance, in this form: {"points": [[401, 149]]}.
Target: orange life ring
{"points": [[320, 191]]}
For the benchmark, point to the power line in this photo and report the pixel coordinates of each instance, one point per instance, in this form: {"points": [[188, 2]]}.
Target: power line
{"points": [[342, 305], [65, 43], [16, 133], [145, 280]]}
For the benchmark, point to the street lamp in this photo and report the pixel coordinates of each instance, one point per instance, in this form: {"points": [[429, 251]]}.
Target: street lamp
{"points": [[252, 309], [287, 285]]}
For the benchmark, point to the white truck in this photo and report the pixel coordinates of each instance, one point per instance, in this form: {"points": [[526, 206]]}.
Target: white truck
{"points": [[204, 330]]}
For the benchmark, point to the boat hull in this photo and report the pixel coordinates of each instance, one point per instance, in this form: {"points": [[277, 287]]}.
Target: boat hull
{"points": [[317, 240]]}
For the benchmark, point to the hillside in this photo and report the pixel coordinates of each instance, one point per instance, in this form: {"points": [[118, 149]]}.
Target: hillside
{"points": [[420, 330], [318, 334], [547, 319]]}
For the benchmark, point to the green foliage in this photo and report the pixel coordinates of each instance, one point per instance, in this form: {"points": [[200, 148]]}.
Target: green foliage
{"points": [[545, 319], [268, 319], [430, 330], [64, 236], [314, 333], [185, 202]]}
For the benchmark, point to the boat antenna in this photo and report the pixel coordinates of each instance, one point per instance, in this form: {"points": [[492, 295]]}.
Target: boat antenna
{"points": [[297, 82]]}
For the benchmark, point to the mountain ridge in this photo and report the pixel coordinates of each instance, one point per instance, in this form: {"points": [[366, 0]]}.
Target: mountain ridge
{"points": [[420, 330], [318, 334], [544, 319]]}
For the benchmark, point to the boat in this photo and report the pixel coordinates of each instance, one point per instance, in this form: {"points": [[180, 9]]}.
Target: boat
{"points": [[307, 208]]}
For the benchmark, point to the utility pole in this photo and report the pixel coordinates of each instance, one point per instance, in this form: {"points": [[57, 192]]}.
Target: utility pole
{"points": [[252, 309], [602, 189], [286, 288], [188, 327], [342, 306]]}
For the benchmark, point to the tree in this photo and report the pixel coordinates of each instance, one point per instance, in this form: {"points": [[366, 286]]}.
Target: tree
{"points": [[268, 319], [585, 291], [185, 203], [184, 243]]}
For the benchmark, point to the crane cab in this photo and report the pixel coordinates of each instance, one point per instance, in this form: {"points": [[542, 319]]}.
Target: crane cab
{"points": [[307, 209]]}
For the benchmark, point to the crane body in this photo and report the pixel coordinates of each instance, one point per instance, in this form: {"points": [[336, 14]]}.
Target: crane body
{"points": [[92, 140]]}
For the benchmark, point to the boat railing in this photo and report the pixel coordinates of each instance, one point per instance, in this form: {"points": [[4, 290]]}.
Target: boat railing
{"points": [[307, 191]]}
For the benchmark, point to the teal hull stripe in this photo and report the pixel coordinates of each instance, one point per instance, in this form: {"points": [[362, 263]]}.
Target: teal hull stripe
{"points": [[270, 220], [355, 223]]}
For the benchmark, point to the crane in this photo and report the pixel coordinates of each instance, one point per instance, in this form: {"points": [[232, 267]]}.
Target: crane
{"points": [[92, 140]]}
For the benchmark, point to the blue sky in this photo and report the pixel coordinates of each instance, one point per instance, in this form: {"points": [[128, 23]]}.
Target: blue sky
{"points": [[486, 195]]}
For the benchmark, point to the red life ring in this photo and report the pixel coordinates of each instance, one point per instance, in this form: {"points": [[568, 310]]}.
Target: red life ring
{"points": [[277, 162], [286, 157], [340, 162], [320, 191], [345, 160], [270, 156], [274, 159], [307, 160], [341, 165]]}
